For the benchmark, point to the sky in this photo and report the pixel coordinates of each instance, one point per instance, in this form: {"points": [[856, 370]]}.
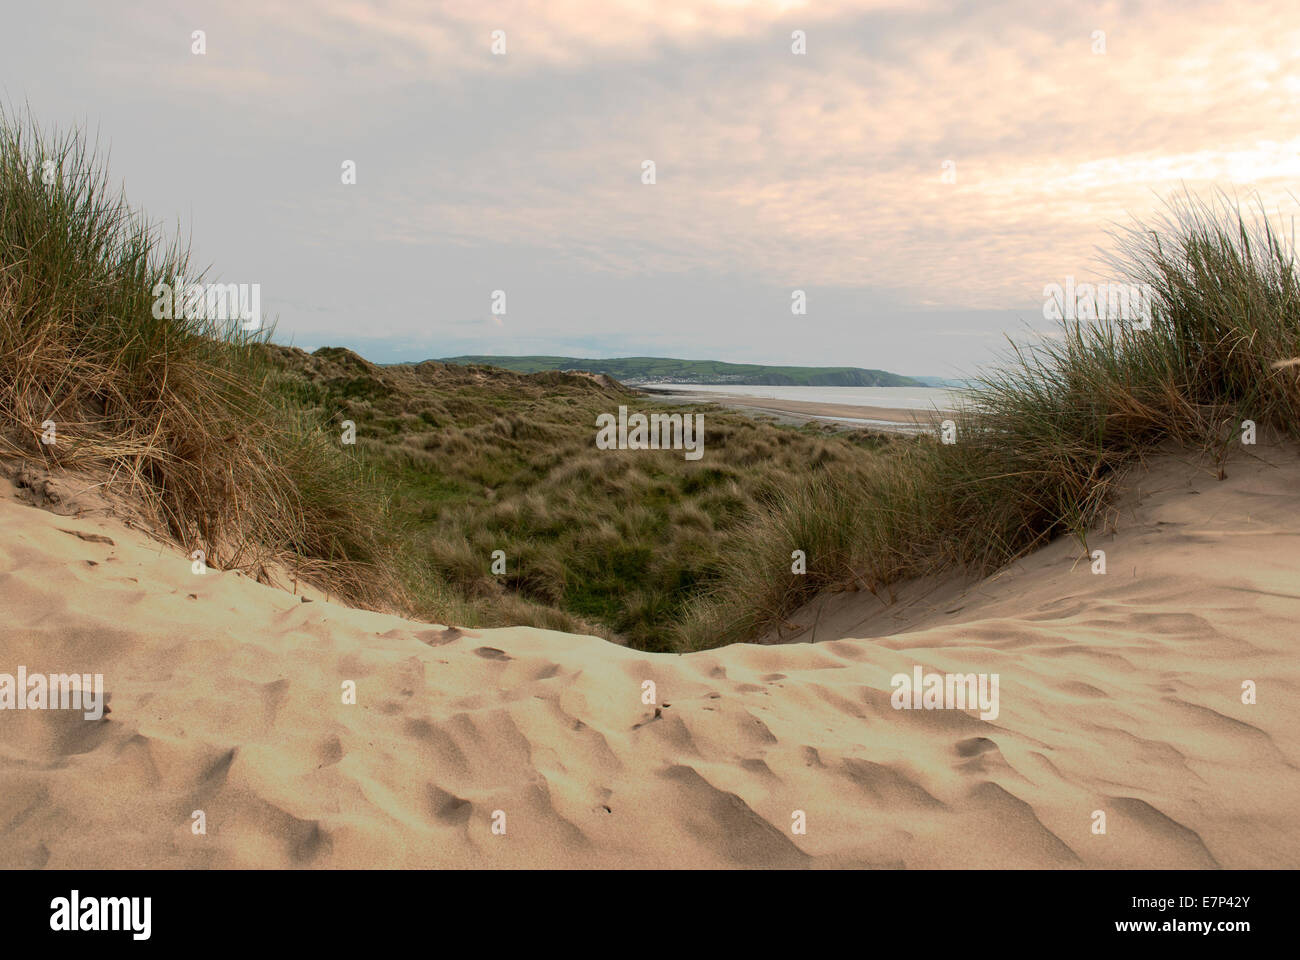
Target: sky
{"points": [[922, 171]]}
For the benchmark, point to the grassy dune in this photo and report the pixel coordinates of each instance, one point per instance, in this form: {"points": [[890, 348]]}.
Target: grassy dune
{"points": [[235, 443], [1044, 436], [177, 410], [617, 543]]}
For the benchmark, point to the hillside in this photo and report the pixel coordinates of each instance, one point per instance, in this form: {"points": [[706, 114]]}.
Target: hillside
{"points": [[634, 370]]}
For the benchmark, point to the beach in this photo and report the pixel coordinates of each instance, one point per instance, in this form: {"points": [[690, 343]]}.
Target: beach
{"points": [[899, 415]]}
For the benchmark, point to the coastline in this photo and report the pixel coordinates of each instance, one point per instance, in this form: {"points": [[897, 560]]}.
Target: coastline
{"points": [[847, 415]]}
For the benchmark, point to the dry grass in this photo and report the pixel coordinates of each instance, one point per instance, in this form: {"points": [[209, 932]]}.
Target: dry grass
{"points": [[177, 409], [1045, 435]]}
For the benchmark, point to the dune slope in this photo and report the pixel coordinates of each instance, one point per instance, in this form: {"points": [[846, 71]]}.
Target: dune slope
{"points": [[1119, 693]]}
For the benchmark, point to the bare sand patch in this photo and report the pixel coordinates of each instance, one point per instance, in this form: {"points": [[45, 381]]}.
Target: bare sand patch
{"points": [[1119, 692]]}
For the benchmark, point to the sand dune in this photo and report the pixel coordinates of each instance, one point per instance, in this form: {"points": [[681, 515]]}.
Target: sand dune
{"points": [[1119, 693]]}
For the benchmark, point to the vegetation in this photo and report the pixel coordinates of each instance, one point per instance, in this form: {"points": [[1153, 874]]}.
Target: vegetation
{"points": [[236, 443], [1046, 434], [611, 542], [176, 409], [634, 370]]}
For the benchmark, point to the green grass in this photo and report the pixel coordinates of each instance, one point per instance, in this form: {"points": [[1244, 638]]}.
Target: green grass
{"points": [[481, 459]]}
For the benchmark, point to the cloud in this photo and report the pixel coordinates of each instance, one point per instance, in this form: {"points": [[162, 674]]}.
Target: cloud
{"points": [[774, 171], [566, 34], [826, 169]]}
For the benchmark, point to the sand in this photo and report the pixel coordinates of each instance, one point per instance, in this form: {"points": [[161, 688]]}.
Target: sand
{"points": [[801, 411], [1119, 692]]}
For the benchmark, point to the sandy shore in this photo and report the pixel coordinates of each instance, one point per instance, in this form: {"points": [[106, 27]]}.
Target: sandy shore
{"points": [[1120, 693], [800, 411]]}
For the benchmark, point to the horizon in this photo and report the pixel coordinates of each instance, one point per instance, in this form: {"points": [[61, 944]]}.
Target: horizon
{"points": [[922, 187]]}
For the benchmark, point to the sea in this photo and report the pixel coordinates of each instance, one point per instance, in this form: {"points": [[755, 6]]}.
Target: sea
{"points": [[898, 398]]}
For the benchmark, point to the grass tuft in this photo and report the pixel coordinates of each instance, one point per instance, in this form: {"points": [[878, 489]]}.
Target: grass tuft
{"points": [[178, 409], [1044, 435]]}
